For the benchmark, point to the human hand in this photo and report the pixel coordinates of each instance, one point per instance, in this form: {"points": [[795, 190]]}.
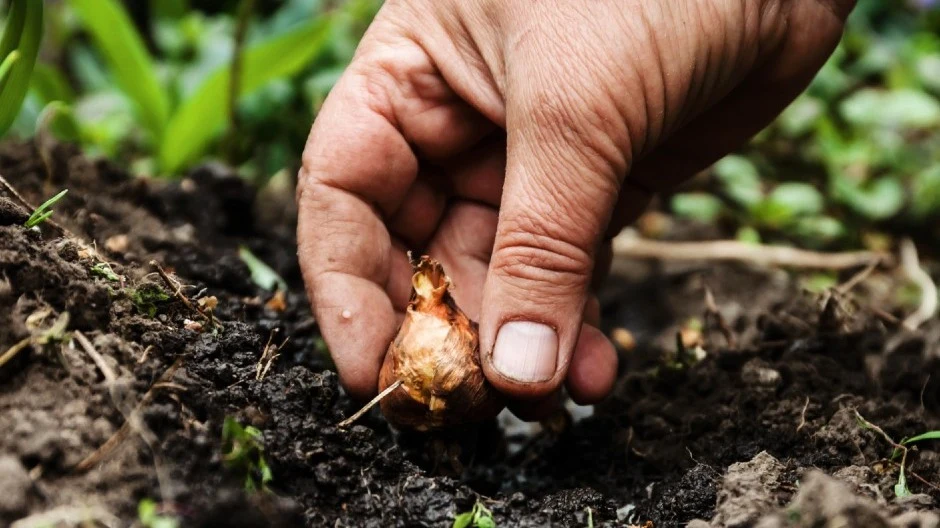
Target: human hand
{"points": [[511, 140]]}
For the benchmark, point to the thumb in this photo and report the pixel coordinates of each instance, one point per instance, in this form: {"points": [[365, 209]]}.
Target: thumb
{"points": [[565, 161]]}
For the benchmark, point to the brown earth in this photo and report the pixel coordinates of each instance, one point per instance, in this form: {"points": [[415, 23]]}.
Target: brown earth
{"points": [[731, 439]]}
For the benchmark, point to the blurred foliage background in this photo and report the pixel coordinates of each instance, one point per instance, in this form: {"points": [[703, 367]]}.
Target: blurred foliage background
{"points": [[147, 83]]}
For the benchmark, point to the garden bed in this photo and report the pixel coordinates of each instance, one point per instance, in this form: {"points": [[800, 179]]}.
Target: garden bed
{"points": [[742, 436]]}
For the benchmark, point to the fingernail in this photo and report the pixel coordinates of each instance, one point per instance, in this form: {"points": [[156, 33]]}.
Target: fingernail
{"points": [[526, 352]]}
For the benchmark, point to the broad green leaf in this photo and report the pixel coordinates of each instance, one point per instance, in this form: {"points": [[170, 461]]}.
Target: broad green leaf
{"points": [[926, 192], [930, 435], [798, 198], [697, 206], [819, 228], [881, 199], [486, 522], [896, 108], [800, 117], [117, 39], [463, 520], [748, 235], [23, 33], [740, 179], [928, 71], [203, 115]]}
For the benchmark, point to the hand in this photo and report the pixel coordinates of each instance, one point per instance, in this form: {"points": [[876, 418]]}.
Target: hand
{"points": [[512, 139]]}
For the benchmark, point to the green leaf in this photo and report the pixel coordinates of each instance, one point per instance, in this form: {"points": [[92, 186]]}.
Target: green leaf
{"points": [[900, 489], [202, 116], [819, 228], [740, 179], [881, 199], [801, 116], [931, 435], [697, 206], [23, 33], [58, 118], [485, 522], [261, 273], [748, 235], [463, 520], [118, 40], [798, 198], [896, 108], [926, 192]]}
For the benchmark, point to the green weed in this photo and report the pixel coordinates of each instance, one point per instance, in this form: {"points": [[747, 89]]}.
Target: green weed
{"points": [[44, 211], [103, 269], [901, 489], [147, 298], [261, 274], [243, 452], [148, 516], [478, 517]]}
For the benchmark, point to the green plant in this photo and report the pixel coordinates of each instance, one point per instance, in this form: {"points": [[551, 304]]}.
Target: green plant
{"points": [[103, 269], [478, 517], [44, 211], [261, 274], [149, 517], [900, 450], [19, 47], [147, 297], [180, 130], [243, 451]]}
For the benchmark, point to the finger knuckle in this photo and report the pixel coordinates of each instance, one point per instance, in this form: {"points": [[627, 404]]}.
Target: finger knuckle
{"points": [[535, 254]]}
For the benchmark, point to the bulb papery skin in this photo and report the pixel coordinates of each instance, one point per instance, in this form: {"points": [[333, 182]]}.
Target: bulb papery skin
{"points": [[436, 356]]}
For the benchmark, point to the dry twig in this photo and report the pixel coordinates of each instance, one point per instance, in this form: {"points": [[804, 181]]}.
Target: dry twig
{"points": [[177, 290], [388, 390], [711, 310], [630, 246], [803, 416], [118, 438]]}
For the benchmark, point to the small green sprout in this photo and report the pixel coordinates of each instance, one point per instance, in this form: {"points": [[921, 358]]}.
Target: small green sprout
{"points": [[148, 517], [43, 212], [900, 449], [261, 274], [590, 517], [146, 297], [103, 269], [478, 517], [243, 448]]}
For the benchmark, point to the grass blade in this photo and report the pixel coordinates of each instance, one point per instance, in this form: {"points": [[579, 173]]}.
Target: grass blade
{"points": [[930, 435], [23, 33], [43, 212], [132, 66], [202, 116]]}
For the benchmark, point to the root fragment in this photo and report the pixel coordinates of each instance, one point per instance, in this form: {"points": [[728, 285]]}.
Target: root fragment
{"points": [[358, 414], [928, 290]]}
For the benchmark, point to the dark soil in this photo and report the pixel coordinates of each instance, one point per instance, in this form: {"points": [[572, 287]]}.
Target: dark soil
{"points": [[730, 439]]}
